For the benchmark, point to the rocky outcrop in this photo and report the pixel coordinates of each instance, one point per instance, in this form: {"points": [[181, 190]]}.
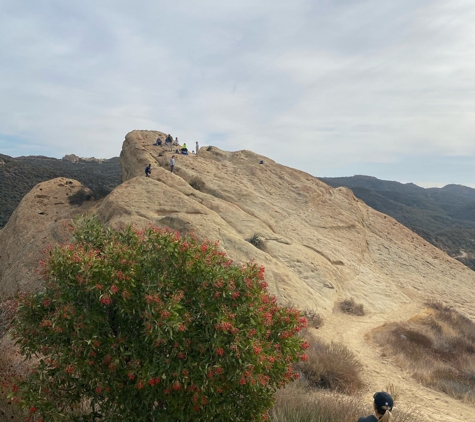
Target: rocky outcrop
{"points": [[73, 158], [42, 219], [321, 244]]}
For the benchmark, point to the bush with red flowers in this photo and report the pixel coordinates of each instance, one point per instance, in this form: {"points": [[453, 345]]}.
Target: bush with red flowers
{"points": [[150, 326]]}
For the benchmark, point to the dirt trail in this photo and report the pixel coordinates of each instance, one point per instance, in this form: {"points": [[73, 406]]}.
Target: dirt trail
{"points": [[379, 372]]}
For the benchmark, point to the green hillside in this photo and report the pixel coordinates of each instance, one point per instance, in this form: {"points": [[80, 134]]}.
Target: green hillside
{"points": [[19, 175]]}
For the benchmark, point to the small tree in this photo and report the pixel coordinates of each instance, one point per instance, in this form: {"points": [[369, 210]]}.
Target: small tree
{"points": [[148, 326]]}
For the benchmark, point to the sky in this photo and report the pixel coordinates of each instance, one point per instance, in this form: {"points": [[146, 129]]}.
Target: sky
{"points": [[333, 88]]}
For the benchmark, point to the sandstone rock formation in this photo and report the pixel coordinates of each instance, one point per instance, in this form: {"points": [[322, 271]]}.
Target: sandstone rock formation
{"points": [[42, 219], [73, 158], [322, 244]]}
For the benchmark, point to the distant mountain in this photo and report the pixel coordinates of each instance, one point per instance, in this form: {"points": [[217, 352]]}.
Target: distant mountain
{"points": [[19, 175], [443, 216]]}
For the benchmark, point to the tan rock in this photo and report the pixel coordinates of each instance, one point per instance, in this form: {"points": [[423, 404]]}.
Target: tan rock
{"points": [[323, 244], [42, 219]]}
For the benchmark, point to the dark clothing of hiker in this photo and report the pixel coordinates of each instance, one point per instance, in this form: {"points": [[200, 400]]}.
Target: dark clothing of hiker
{"points": [[370, 418], [148, 170]]}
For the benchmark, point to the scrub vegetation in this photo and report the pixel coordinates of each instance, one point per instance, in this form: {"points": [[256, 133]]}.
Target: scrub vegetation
{"points": [[437, 347], [350, 307], [146, 325]]}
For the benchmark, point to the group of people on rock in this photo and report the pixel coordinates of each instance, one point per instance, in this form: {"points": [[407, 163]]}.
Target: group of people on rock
{"points": [[171, 143]]}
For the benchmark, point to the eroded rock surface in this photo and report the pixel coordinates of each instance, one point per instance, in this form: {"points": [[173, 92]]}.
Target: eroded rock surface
{"points": [[323, 244], [42, 219]]}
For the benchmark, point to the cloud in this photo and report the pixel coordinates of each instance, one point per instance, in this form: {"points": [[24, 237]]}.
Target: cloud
{"points": [[347, 86]]}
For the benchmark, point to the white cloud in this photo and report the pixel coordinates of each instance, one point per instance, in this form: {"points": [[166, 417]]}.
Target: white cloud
{"points": [[334, 86]]}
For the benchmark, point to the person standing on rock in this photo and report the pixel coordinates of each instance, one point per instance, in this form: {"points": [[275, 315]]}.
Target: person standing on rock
{"points": [[172, 163], [197, 147], [383, 405], [148, 170]]}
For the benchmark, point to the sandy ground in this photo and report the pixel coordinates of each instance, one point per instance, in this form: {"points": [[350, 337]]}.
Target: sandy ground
{"points": [[379, 372]]}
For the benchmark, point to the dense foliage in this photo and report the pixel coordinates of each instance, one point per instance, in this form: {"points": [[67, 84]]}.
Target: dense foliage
{"points": [[19, 175], [148, 326]]}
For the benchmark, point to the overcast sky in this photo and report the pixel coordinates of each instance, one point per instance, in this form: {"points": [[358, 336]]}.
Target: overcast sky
{"points": [[334, 88]]}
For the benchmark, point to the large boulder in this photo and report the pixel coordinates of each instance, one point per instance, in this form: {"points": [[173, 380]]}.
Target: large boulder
{"points": [[322, 244], [42, 219]]}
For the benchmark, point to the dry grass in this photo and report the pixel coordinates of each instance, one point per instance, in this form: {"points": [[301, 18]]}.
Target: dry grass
{"points": [[197, 183], [7, 312], [297, 403], [394, 390], [11, 366], [331, 366], [437, 346], [349, 306], [314, 319], [257, 240]]}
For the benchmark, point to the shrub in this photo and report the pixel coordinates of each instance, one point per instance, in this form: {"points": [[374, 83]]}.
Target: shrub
{"points": [[148, 326], [331, 366], [7, 312], [314, 319], [349, 306], [257, 241], [8, 412], [197, 183], [11, 366], [437, 346], [79, 197]]}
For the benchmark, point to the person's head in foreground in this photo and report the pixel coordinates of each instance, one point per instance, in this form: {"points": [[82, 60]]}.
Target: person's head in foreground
{"points": [[383, 405]]}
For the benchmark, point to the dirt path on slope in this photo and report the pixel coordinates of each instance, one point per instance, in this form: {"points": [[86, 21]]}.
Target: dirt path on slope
{"points": [[379, 371]]}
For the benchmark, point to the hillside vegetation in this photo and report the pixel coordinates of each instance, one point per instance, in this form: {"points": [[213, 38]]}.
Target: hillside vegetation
{"points": [[19, 175], [444, 216]]}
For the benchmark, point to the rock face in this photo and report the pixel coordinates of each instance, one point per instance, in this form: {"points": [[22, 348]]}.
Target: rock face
{"points": [[73, 158], [42, 219], [322, 245]]}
